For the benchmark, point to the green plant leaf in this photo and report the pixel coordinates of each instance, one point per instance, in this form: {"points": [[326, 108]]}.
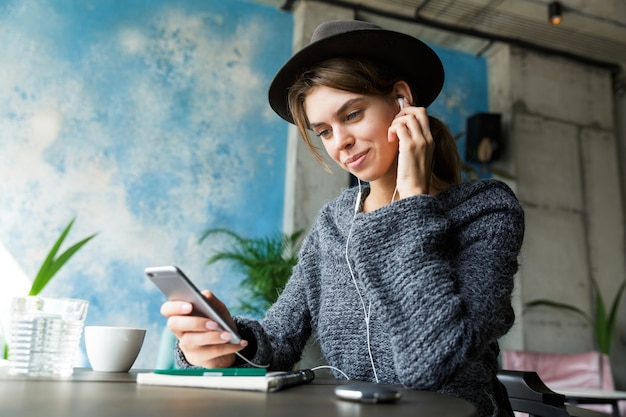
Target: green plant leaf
{"points": [[42, 277], [560, 306], [612, 318], [52, 264], [600, 320], [603, 325], [266, 263]]}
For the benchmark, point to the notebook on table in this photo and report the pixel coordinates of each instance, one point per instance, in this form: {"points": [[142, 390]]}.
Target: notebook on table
{"points": [[229, 378]]}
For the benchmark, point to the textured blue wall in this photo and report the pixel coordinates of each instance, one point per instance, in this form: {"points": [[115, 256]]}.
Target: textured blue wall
{"points": [[148, 120], [465, 91], [465, 88]]}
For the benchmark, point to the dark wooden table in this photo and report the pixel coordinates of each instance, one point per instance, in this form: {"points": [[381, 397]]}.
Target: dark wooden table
{"points": [[94, 394], [578, 396]]}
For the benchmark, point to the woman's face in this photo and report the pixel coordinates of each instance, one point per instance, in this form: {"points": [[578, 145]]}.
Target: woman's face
{"points": [[353, 128]]}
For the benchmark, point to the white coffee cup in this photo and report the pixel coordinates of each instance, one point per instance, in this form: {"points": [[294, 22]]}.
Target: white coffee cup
{"points": [[113, 349]]}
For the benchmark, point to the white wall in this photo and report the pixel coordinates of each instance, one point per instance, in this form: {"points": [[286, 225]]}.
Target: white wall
{"points": [[563, 149]]}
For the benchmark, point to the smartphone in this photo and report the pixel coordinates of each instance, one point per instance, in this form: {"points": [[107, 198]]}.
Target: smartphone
{"points": [[367, 393], [177, 287]]}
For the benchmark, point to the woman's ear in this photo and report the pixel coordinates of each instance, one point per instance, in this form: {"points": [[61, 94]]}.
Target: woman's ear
{"points": [[402, 89]]}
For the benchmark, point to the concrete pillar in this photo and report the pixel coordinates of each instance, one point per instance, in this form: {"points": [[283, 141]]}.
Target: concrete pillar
{"points": [[308, 186], [563, 151]]}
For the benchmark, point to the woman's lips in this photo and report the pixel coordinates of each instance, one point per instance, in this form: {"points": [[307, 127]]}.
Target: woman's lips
{"points": [[356, 161]]}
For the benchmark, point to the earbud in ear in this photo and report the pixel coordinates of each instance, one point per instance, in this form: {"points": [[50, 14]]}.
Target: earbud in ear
{"points": [[401, 102]]}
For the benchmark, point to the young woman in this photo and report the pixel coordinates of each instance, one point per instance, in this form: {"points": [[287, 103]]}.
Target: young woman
{"points": [[405, 279]]}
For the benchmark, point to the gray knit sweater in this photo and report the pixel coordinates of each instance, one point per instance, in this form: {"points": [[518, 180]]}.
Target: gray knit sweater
{"points": [[438, 273]]}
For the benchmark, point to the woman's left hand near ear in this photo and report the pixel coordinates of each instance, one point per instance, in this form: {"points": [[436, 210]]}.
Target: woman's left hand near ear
{"points": [[415, 151]]}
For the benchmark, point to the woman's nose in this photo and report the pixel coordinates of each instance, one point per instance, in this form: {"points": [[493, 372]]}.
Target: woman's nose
{"points": [[343, 138]]}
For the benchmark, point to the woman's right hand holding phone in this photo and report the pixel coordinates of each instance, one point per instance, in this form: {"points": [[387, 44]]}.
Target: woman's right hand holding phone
{"points": [[200, 339]]}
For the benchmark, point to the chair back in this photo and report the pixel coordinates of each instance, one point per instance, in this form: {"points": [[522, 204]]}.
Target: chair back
{"points": [[530, 396]]}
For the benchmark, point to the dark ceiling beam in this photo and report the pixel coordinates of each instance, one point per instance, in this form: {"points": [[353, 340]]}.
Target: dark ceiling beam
{"points": [[417, 18]]}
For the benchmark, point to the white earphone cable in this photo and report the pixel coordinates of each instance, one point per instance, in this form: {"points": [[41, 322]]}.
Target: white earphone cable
{"points": [[331, 367], [366, 311], [249, 362]]}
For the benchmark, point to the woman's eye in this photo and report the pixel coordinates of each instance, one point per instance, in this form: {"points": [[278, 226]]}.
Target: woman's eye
{"points": [[353, 115], [324, 133]]}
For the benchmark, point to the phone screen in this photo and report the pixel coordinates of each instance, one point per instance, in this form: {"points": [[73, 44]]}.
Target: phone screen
{"points": [[177, 287]]}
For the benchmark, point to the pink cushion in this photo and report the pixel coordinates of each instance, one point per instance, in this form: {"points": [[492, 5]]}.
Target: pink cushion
{"points": [[575, 370]]}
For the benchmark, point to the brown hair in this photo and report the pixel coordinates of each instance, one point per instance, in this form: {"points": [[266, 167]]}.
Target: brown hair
{"points": [[364, 77]]}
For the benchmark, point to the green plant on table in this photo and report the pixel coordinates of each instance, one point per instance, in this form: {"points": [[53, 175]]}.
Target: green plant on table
{"points": [[52, 264], [267, 263], [603, 322]]}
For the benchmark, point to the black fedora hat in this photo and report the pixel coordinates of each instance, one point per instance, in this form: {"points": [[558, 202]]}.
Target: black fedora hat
{"points": [[414, 61]]}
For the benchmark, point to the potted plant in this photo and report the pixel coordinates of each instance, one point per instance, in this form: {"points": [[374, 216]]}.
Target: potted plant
{"points": [[52, 264], [266, 262], [602, 322]]}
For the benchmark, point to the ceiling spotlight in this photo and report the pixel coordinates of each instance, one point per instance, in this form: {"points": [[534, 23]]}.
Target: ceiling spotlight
{"points": [[555, 13]]}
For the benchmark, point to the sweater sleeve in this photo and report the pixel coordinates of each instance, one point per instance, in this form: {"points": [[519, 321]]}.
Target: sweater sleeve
{"points": [[441, 276]]}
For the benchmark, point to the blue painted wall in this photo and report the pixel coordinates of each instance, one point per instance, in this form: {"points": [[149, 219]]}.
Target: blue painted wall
{"points": [[464, 91], [148, 120]]}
